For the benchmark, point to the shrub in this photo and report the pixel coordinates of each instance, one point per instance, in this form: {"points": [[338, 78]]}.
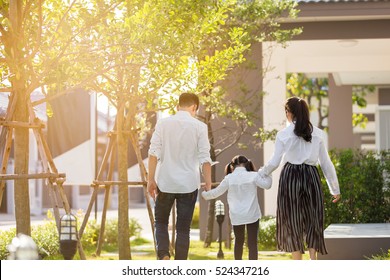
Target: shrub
{"points": [[92, 232], [267, 234], [382, 256], [5, 239], [195, 218], [47, 239], [364, 186]]}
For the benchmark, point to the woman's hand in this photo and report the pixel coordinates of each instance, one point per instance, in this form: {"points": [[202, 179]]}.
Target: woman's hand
{"points": [[336, 198]]}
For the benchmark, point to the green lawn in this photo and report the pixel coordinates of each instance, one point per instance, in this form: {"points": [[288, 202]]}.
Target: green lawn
{"points": [[146, 251]]}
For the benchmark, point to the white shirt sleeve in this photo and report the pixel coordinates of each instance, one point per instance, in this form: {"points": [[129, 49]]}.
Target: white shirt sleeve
{"points": [[203, 146], [328, 170], [218, 191], [276, 158], [263, 181], [155, 147]]}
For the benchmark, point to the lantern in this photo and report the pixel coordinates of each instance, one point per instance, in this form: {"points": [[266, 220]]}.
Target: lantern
{"points": [[68, 236], [220, 215]]}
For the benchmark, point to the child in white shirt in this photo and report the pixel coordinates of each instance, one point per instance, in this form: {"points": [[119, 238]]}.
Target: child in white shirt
{"points": [[241, 182]]}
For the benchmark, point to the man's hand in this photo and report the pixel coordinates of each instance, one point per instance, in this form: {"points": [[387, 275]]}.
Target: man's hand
{"points": [[206, 170], [152, 189], [152, 185], [207, 187]]}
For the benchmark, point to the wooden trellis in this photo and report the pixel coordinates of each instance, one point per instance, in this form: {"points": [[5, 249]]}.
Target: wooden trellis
{"points": [[108, 164], [55, 180]]}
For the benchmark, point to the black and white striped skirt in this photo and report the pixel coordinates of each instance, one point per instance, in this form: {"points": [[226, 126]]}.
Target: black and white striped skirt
{"points": [[300, 209]]}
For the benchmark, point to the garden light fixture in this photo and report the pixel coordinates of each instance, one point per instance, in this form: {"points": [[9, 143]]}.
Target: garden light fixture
{"points": [[220, 215], [68, 236]]}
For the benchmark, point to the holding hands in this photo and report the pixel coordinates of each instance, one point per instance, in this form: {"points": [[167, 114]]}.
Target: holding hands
{"points": [[263, 180], [336, 197]]}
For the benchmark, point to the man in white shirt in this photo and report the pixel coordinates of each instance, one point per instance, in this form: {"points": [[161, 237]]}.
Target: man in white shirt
{"points": [[180, 147]]}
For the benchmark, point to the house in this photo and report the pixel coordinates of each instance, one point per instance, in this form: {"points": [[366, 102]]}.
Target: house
{"points": [[77, 137], [35, 186], [348, 42]]}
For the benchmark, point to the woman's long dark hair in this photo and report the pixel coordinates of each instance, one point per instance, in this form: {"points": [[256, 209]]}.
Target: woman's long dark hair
{"points": [[238, 160], [301, 117]]}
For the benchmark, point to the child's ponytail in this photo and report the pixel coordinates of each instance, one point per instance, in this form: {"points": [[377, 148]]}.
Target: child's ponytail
{"points": [[239, 160], [229, 168], [249, 166]]}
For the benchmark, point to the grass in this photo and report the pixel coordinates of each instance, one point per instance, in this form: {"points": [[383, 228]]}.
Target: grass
{"points": [[143, 250]]}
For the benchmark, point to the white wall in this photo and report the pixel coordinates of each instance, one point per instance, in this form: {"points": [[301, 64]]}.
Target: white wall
{"points": [[274, 61]]}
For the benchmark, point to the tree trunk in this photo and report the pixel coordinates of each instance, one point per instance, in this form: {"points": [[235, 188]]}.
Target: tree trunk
{"points": [[21, 155], [21, 139], [123, 193], [211, 208], [144, 176]]}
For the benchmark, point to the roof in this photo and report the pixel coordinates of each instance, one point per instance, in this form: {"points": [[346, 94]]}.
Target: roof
{"points": [[342, 10]]}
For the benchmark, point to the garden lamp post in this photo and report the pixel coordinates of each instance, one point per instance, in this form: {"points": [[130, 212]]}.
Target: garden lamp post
{"points": [[68, 236], [220, 215]]}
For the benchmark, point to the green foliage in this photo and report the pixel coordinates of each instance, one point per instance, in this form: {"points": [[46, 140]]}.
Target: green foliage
{"points": [[195, 218], [92, 231], [261, 19], [47, 240], [45, 236], [267, 234], [383, 256], [264, 135], [5, 239], [364, 185], [315, 92]]}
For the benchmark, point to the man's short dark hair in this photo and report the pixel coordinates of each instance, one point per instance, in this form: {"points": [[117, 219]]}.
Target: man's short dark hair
{"points": [[187, 99]]}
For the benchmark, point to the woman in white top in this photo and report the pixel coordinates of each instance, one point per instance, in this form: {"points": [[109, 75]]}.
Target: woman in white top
{"points": [[300, 205], [241, 182]]}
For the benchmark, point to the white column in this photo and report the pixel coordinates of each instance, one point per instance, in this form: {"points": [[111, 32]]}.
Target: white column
{"points": [[10, 188], [274, 86], [93, 132], [33, 163]]}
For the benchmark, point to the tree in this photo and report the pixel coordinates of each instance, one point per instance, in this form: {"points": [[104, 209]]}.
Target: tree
{"points": [[231, 106], [43, 45], [184, 45], [315, 91], [140, 54], [150, 49]]}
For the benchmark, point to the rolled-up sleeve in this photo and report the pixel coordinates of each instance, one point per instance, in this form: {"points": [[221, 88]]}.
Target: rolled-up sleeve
{"points": [[203, 145], [156, 142]]}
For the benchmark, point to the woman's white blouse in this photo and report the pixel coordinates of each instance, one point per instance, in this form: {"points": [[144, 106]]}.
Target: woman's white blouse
{"points": [[296, 150], [241, 186]]}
